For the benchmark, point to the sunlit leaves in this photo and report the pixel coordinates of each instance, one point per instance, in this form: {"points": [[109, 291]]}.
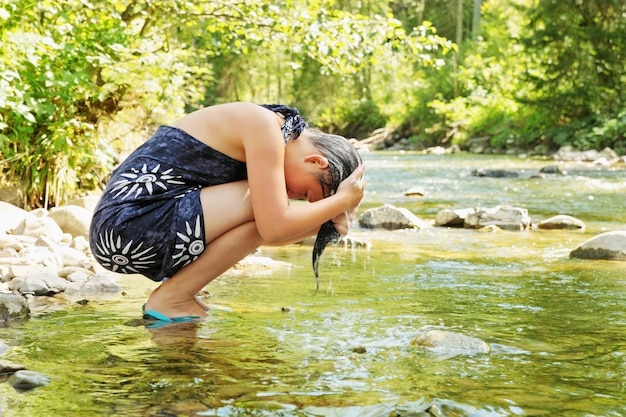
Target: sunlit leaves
{"points": [[70, 67]]}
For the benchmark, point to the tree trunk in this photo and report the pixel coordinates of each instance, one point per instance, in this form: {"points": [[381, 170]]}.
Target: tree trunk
{"points": [[476, 19], [459, 39]]}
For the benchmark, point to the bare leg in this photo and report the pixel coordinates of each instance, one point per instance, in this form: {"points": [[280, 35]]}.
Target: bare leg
{"points": [[231, 234], [176, 296]]}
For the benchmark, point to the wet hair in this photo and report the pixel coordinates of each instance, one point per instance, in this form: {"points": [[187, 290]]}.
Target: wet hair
{"points": [[342, 158]]}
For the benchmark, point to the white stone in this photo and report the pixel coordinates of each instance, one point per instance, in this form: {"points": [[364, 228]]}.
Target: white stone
{"points": [[74, 220]]}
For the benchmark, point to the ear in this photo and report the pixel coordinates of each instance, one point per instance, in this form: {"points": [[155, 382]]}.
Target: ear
{"points": [[319, 160]]}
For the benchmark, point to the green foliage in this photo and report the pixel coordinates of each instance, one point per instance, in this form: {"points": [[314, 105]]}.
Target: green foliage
{"points": [[64, 67], [541, 75], [82, 81], [50, 103], [578, 71], [353, 118], [580, 51]]}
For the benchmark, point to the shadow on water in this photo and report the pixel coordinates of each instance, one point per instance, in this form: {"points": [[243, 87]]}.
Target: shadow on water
{"points": [[271, 346]]}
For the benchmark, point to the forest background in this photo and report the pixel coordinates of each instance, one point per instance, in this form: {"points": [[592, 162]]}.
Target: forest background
{"points": [[83, 81]]}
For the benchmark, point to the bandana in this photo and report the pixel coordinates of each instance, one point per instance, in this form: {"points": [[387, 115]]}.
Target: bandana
{"points": [[294, 123]]}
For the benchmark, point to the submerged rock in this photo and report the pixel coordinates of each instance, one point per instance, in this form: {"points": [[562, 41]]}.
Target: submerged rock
{"points": [[443, 341], [552, 169], [258, 263], [494, 173], [415, 192], [27, 380], [9, 368]]}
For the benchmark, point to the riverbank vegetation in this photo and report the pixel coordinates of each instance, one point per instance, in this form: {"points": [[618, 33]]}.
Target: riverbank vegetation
{"points": [[83, 81]]}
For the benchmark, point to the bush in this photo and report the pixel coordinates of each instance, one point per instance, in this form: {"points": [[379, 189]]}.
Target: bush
{"points": [[353, 119]]}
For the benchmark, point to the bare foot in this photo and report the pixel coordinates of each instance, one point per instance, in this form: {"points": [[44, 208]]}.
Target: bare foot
{"points": [[162, 302]]}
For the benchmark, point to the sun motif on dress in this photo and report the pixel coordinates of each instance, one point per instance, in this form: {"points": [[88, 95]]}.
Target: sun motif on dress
{"points": [[191, 244], [135, 181], [117, 255]]}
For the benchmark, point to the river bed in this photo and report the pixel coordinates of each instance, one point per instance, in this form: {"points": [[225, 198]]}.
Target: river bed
{"points": [[272, 346]]}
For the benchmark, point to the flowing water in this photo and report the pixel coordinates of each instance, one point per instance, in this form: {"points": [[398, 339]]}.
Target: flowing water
{"points": [[271, 346]]}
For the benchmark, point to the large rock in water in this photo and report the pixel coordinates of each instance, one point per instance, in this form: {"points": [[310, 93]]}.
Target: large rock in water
{"points": [[505, 217], [391, 218], [562, 221], [453, 217], [609, 245]]}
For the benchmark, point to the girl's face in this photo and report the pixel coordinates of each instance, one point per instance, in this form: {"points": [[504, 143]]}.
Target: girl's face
{"points": [[303, 182], [304, 167]]}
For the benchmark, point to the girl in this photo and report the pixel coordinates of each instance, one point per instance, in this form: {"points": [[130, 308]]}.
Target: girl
{"points": [[208, 190]]}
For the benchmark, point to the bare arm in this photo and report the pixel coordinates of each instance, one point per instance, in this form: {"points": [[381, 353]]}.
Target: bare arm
{"points": [[251, 133], [276, 220]]}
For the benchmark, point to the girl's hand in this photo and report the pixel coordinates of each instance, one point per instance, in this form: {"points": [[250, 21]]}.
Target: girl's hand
{"points": [[342, 223], [353, 188]]}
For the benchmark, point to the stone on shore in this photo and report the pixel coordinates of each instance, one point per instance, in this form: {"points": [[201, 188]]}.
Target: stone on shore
{"points": [[11, 216], [13, 307], [39, 225], [74, 220], [46, 283], [100, 283]]}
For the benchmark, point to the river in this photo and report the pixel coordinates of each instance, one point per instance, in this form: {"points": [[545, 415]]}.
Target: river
{"points": [[272, 347]]}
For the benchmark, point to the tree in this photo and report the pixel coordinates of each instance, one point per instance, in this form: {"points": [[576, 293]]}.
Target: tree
{"points": [[579, 51], [78, 75]]}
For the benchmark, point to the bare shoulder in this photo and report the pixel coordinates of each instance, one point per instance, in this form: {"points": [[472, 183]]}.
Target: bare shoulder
{"points": [[221, 115], [226, 127]]}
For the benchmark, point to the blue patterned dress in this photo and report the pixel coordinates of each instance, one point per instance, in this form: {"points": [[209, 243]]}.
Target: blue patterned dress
{"points": [[149, 219]]}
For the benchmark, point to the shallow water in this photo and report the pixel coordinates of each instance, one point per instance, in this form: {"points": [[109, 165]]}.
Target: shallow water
{"points": [[271, 346]]}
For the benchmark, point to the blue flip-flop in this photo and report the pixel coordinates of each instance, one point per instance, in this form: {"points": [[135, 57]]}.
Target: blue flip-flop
{"points": [[158, 319]]}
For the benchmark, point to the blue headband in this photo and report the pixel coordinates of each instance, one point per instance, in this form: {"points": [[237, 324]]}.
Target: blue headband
{"points": [[294, 123]]}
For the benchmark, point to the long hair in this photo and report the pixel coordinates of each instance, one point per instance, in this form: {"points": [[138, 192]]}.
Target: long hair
{"points": [[342, 158]]}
